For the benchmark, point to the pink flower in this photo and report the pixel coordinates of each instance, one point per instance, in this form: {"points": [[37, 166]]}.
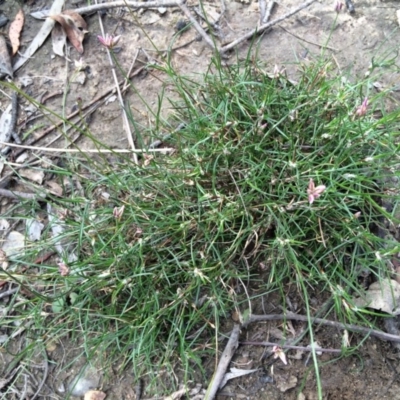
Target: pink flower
{"points": [[109, 41], [314, 192], [118, 211], [63, 269], [362, 110], [338, 6]]}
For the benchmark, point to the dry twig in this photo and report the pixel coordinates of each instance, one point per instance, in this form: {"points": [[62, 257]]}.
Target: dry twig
{"points": [[265, 26], [20, 195], [322, 321], [133, 4], [197, 26], [93, 151], [121, 100], [288, 346], [268, 11], [226, 357]]}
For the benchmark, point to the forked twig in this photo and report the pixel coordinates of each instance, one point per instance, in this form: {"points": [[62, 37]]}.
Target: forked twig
{"points": [[265, 26], [197, 26]]}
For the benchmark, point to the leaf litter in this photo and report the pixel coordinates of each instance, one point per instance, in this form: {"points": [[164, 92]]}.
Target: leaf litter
{"points": [[15, 31], [74, 27]]}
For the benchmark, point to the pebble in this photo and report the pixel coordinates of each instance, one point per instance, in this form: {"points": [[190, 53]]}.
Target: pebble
{"points": [[87, 379]]}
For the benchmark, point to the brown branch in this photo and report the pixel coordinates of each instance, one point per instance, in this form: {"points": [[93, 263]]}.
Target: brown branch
{"points": [[350, 327]]}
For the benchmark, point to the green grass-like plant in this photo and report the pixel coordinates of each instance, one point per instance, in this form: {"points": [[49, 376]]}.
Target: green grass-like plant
{"points": [[169, 248]]}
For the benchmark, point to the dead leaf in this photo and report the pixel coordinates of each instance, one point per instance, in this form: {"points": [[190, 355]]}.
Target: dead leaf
{"points": [[58, 40], [13, 243], [235, 373], [382, 296], [34, 229], [74, 26], [41, 14], [15, 31], [41, 36], [55, 188], [33, 175], [95, 395], [5, 59]]}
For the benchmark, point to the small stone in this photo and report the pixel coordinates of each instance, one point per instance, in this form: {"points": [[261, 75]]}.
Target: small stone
{"points": [[85, 380]]}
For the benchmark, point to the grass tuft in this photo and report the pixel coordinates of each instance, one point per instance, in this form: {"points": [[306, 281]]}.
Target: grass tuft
{"points": [[168, 249]]}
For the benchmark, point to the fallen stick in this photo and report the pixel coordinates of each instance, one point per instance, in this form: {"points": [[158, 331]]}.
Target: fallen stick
{"points": [[95, 151], [125, 120], [322, 321], [197, 26], [268, 11], [290, 347], [226, 357], [122, 3], [20, 195], [265, 26], [262, 6]]}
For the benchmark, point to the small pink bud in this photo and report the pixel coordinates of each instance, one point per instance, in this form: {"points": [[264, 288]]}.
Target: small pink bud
{"points": [[314, 192], [338, 6], [118, 211], [63, 269], [278, 352], [362, 110], [108, 40]]}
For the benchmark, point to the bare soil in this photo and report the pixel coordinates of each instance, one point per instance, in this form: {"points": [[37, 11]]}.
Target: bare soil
{"points": [[371, 33]]}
